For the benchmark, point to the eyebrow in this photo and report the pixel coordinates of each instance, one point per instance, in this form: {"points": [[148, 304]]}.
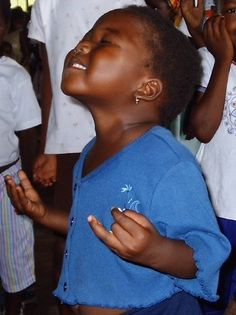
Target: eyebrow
{"points": [[113, 31]]}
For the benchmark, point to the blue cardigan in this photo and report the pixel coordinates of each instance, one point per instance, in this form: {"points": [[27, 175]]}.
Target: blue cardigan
{"points": [[156, 176]]}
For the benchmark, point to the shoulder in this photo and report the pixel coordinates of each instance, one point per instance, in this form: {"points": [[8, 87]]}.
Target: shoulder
{"points": [[157, 152], [12, 70], [169, 146]]}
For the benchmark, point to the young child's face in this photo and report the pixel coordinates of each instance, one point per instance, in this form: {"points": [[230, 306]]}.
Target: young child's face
{"points": [[229, 12], [109, 61]]}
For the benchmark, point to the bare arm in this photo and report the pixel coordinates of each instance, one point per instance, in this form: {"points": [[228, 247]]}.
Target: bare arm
{"points": [[28, 142], [46, 96], [207, 111], [134, 238], [27, 201], [45, 166]]}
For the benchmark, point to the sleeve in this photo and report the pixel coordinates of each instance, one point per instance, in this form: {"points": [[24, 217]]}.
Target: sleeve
{"points": [[27, 113], [207, 63], [184, 211], [36, 27]]}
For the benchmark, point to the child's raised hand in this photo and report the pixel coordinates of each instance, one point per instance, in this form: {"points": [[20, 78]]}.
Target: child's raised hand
{"points": [[218, 40], [193, 15], [24, 197], [133, 237]]}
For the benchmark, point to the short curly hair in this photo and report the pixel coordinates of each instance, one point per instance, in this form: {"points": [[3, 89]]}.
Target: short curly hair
{"points": [[5, 10], [172, 58]]}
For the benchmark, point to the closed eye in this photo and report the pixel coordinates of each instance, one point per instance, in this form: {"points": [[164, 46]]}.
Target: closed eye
{"points": [[105, 41]]}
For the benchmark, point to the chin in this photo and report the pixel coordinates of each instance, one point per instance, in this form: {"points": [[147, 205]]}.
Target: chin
{"points": [[67, 88]]}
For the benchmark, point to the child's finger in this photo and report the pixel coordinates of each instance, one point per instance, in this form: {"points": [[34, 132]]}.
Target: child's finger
{"points": [[25, 204], [124, 236], [131, 220], [137, 217], [25, 182], [107, 237], [12, 191]]}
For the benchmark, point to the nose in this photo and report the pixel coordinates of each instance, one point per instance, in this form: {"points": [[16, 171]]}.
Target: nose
{"points": [[83, 47]]}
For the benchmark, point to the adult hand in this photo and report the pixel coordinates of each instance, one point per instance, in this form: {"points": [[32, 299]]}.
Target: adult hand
{"points": [[45, 169], [132, 236], [24, 197]]}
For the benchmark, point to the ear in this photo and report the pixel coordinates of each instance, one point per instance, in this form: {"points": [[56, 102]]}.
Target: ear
{"points": [[149, 90]]}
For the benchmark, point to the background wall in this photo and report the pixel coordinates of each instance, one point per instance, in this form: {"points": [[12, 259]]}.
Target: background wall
{"points": [[22, 3]]}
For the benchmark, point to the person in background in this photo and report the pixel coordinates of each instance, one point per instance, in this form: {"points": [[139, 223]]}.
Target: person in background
{"points": [[212, 121], [19, 114], [141, 227], [15, 34]]}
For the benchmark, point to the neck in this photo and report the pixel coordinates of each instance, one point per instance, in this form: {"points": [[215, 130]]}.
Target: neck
{"points": [[115, 123]]}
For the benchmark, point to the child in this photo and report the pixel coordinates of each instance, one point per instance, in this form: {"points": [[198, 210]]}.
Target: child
{"points": [[212, 121], [151, 253], [19, 113]]}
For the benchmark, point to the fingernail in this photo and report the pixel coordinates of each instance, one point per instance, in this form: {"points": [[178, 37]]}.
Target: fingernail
{"points": [[112, 208], [90, 218]]}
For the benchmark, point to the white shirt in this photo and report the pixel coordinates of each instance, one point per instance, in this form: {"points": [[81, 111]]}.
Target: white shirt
{"points": [[19, 109], [60, 25], [218, 157]]}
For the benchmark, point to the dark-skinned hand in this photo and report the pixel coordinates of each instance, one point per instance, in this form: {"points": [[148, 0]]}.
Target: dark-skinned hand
{"points": [[24, 197], [132, 236]]}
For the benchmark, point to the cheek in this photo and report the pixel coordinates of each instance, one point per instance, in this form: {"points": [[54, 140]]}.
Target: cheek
{"points": [[112, 70]]}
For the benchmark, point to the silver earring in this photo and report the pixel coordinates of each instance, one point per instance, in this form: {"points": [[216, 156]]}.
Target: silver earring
{"points": [[137, 99]]}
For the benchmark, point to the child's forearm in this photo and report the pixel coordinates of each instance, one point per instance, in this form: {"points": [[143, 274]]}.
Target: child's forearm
{"points": [[46, 96], [28, 148], [206, 115], [174, 257], [54, 220]]}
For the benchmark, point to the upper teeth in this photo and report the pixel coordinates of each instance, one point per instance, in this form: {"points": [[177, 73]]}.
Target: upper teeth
{"points": [[79, 66]]}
